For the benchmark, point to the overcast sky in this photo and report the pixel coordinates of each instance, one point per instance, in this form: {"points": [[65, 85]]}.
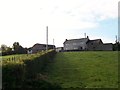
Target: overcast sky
{"points": [[25, 21]]}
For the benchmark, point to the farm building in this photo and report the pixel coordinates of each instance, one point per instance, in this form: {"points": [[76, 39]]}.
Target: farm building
{"points": [[29, 51], [86, 44], [39, 47], [59, 49]]}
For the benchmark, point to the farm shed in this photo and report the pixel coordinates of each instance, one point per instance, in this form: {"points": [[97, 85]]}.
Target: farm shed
{"points": [[59, 49], [41, 47]]}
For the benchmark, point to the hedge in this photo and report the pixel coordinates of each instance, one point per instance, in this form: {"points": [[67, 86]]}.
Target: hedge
{"points": [[27, 73]]}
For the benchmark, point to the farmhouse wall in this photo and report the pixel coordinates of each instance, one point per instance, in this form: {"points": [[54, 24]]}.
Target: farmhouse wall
{"points": [[94, 45], [108, 47], [76, 44]]}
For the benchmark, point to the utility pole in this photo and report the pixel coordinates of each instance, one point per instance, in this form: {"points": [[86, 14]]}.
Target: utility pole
{"points": [[85, 35], [116, 39], [53, 43], [46, 38]]}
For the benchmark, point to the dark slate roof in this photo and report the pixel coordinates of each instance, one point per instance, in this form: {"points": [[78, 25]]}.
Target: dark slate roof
{"points": [[76, 40], [37, 44], [29, 48], [95, 40]]}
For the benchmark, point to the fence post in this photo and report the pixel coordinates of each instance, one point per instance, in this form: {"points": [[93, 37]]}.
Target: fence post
{"points": [[14, 58]]}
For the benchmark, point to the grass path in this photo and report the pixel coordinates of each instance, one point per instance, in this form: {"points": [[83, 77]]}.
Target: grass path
{"points": [[84, 69]]}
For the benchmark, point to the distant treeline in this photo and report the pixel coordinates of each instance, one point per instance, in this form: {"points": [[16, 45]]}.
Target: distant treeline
{"points": [[15, 49], [116, 46]]}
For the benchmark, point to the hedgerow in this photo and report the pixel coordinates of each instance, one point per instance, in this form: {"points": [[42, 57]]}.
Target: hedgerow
{"points": [[28, 72]]}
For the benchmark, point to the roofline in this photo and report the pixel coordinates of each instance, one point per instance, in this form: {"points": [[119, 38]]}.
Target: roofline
{"points": [[42, 44], [96, 39], [59, 47], [108, 43], [75, 39]]}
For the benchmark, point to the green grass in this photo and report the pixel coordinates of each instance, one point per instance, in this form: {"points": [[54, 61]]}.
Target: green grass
{"points": [[84, 69], [16, 58], [15, 55]]}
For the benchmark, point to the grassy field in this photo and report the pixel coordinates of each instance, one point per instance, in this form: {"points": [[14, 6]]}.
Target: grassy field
{"points": [[15, 55], [13, 58], [84, 69]]}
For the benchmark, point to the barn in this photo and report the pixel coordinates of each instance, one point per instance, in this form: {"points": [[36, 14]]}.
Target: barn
{"points": [[40, 47]]}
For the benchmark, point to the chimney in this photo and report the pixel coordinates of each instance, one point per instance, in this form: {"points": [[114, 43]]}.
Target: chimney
{"points": [[88, 37]]}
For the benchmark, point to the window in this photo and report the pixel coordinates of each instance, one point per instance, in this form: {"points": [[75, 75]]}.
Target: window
{"points": [[81, 43], [75, 48], [66, 44], [81, 48], [74, 43]]}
